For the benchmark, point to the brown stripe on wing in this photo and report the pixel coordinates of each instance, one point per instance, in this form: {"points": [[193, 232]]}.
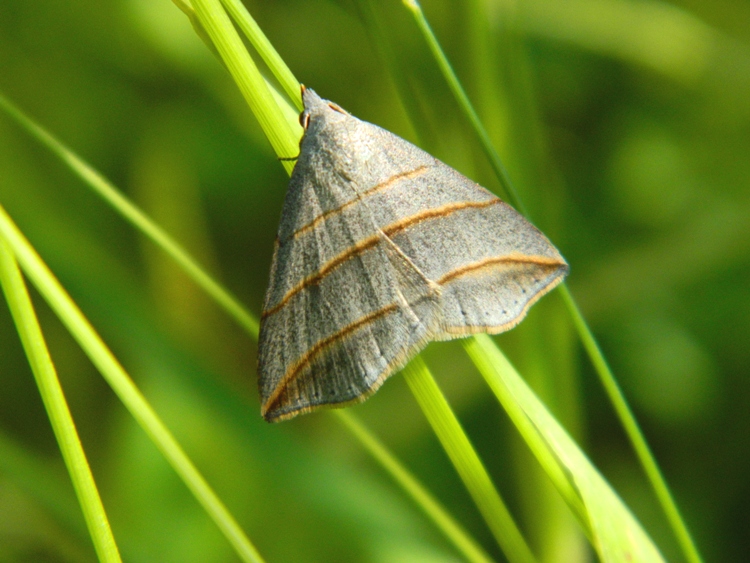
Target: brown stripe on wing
{"points": [[316, 277], [467, 330], [321, 346], [373, 240], [513, 258], [436, 213], [408, 175]]}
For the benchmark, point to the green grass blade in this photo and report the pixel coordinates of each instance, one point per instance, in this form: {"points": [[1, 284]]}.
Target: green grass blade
{"points": [[626, 416], [466, 106], [633, 431], [100, 355], [431, 507], [138, 218], [269, 55], [467, 462], [52, 394], [615, 533], [397, 72], [282, 134]]}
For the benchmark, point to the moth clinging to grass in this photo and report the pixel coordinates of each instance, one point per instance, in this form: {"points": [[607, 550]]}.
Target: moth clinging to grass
{"points": [[382, 248]]}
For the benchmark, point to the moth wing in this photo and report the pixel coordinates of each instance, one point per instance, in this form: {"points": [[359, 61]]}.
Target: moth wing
{"points": [[490, 262], [381, 248], [344, 309]]}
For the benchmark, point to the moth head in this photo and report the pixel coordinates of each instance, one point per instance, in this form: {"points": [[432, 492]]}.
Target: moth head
{"points": [[315, 105]]}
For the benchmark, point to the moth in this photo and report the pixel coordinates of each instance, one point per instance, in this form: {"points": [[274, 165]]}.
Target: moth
{"points": [[382, 248]]}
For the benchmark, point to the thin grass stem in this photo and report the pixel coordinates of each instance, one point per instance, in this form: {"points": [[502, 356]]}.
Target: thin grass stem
{"points": [[270, 56], [645, 456], [627, 419], [466, 461], [463, 101], [27, 324], [137, 218], [121, 383], [282, 134], [185, 7]]}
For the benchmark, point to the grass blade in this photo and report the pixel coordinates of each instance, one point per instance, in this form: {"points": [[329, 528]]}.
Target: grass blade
{"points": [[123, 386], [465, 104], [648, 462], [627, 418], [185, 7], [137, 218], [282, 134], [269, 55], [614, 532], [52, 394], [466, 461]]}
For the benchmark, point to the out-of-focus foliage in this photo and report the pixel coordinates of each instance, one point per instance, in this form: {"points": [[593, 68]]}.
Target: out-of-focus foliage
{"points": [[626, 128]]}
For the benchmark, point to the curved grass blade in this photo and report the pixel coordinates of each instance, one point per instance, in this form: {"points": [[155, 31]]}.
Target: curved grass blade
{"points": [[116, 376], [27, 324], [614, 532], [627, 418], [633, 431]]}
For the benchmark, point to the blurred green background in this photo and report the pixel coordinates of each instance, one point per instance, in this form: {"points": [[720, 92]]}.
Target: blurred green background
{"points": [[625, 125]]}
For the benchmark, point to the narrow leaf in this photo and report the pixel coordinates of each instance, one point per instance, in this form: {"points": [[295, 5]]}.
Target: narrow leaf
{"points": [[615, 533], [466, 461], [101, 356], [52, 394]]}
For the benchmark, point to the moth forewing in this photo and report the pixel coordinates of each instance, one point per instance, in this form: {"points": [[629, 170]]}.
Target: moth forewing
{"points": [[382, 248]]}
